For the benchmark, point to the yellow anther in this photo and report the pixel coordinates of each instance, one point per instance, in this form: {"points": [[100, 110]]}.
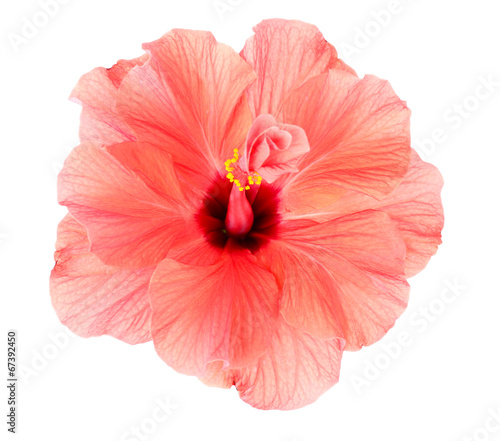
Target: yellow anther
{"points": [[251, 179]]}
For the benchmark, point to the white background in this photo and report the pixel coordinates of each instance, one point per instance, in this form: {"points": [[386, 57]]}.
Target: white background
{"points": [[443, 385]]}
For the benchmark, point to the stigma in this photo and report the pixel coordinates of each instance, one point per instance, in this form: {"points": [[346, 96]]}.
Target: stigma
{"points": [[239, 216]]}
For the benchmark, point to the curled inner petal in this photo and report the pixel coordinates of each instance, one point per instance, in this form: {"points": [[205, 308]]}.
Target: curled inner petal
{"points": [[273, 149]]}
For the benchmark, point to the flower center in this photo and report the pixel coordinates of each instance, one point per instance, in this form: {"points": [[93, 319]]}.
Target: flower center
{"points": [[254, 218], [243, 204]]}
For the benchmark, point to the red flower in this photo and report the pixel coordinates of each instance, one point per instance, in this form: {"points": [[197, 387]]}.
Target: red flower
{"points": [[252, 214]]}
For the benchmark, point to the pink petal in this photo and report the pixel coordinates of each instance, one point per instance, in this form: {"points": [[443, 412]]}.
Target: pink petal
{"points": [[285, 54], [92, 298], [188, 100], [192, 248], [217, 377], [416, 208], [273, 149], [284, 160], [131, 221], [295, 370], [358, 131], [256, 149], [226, 311], [341, 278], [259, 125], [152, 165], [97, 92]]}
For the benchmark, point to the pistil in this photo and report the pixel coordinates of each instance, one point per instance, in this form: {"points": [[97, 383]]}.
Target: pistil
{"points": [[239, 217]]}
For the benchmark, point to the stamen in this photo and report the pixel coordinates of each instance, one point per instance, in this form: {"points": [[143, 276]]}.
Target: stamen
{"points": [[245, 180]]}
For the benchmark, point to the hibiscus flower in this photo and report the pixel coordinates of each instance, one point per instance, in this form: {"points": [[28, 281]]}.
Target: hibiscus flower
{"points": [[253, 214]]}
